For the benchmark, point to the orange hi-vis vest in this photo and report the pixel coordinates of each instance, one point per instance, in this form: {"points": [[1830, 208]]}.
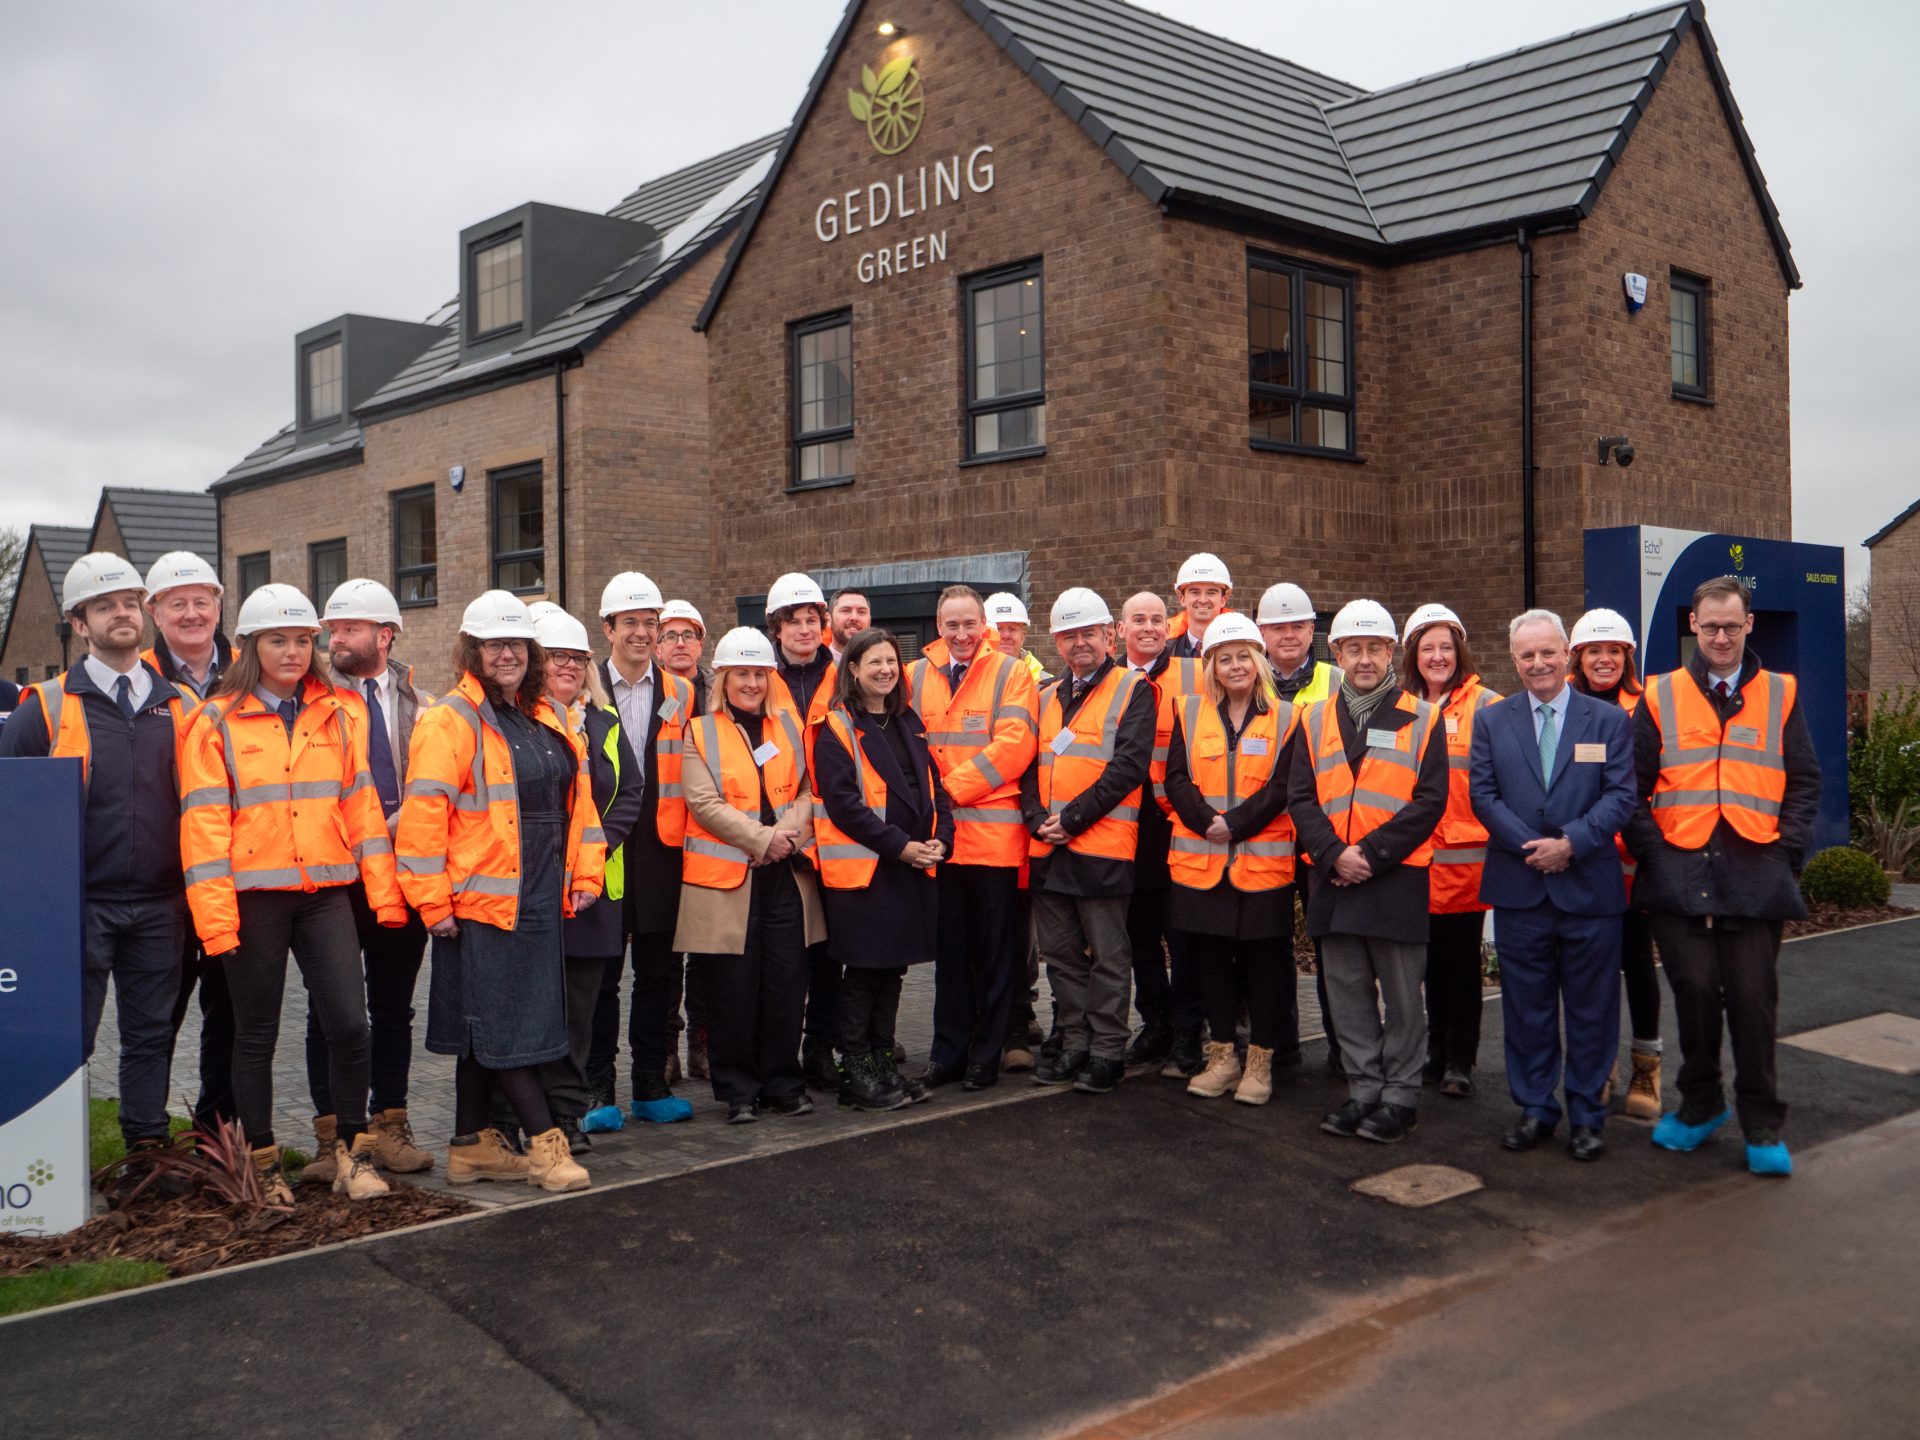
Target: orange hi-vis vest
{"points": [[983, 739], [669, 749], [721, 745], [1071, 766], [1710, 771], [458, 841], [780, 695], [262, 810], [67, 732], [1226, 777], [846, 864], [1360, 802], [1179, 680], [1459, 840]]}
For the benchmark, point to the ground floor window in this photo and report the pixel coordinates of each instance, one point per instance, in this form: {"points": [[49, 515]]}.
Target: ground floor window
{"points": [[253, 571], [1006, 362], [519, 529], [1299, 357]]}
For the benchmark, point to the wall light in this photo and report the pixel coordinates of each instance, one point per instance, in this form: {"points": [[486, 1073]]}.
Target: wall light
{"points": [[888, 30]]}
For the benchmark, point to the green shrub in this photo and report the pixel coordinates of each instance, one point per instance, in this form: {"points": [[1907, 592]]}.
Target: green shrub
{"points": [[1883, 760], [1846, 877]]}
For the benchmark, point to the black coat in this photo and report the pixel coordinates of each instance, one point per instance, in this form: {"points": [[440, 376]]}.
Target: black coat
{"points": [[596, 930], [1732, 876], [653, 866], [1393, 904], [894, 921], [1224, 910]]}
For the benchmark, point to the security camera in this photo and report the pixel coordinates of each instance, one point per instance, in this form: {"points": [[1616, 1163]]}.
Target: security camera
{"points": [[1619, 447]]}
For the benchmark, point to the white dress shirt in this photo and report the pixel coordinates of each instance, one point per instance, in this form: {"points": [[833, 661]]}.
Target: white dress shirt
{"points": [[107, 678], [1559, 707], [634, 700]]}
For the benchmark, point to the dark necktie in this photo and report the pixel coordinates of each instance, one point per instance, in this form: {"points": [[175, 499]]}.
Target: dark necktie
{"points": [[289, 712], [380, 752], [1721, 689], [957, 673], [123, 695]]}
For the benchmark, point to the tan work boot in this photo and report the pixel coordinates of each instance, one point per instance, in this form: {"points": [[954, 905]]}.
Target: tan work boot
{"points": [[1017, 1056], [393, 1147], [273, 1180], [1223, 1069], [1643, 1094], [355, 1176], [488, 1158], [1256, 1085], [550, 1163], [320, 1169]]}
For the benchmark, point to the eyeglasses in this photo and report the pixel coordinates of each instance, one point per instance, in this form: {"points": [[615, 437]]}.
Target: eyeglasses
{"points": [[1720, 630], [563, 660], [679, 637], [494, 649]]}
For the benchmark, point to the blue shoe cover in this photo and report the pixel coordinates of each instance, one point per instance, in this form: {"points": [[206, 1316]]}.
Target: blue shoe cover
{"points": [[662, 1112], [1670, 1134], [1769, 1159], [602, 1118]]}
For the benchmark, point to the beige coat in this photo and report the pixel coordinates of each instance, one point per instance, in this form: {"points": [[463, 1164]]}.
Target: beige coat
{"points": [[714, 922]]}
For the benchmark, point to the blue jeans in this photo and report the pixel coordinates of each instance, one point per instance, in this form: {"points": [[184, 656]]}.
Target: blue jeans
{"points": [[139, 943]]}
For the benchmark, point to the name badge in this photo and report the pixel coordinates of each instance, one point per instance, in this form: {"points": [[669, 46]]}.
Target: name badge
{"points": [[975, 724], [1253, 745], [1589, 754], [1743, 734], [670, 709], [1379, 739], [764, 752], [1453, 724], [1062, 742]]}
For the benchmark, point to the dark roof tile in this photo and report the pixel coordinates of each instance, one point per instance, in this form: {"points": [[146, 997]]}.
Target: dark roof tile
{"points": [[152, 522]]}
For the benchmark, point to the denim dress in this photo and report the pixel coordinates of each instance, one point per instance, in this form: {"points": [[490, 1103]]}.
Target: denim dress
{"points": [[500, 995]]}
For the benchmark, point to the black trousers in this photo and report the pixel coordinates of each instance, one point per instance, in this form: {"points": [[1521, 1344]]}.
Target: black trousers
{"points": [[1027, 963], [823, 988], [655, 967], [689, 986], [1725, 979], [1643, 980], [1258, 971], [391, 960], [565, 1080], [204, 972], [1453, 989], [136, 943], [757, 997], [1166, 983], [869, 1004], [977, 966]]}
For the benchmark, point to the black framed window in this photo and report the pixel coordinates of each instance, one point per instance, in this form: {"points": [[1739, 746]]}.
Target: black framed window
{"points": [[1006, 362], [1299, 357], [519, 529], [1688, 334], [20, 675], [52, 671], [497, 283], [253, 571], [326, 572], [823, 451], [322, 387], [416, 550]]}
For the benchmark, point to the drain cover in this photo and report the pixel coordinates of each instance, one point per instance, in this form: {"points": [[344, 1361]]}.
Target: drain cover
{"points": [[1886, 1041], [1418, 1186]]}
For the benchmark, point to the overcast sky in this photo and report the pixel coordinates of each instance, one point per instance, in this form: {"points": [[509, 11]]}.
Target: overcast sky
{"points": [[188, 185]]}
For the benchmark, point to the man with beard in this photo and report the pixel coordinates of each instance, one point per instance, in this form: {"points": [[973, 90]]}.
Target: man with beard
{"points": [[849, 614]]}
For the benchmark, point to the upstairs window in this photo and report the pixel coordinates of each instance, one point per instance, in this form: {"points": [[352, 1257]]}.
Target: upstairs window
{"points": [[519, 530], [323, 388], [1688, 334], [416, 553], [1299, 358], [326, 572], [497, 284], [1006, 363], [823, 450]]}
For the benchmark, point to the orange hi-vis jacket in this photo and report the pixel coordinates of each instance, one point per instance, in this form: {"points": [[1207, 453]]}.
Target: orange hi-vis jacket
{"points": [[983, 739], [846, 864], [1227, 777], [721, 745], [1459, 840], [67, 733], [1359, 802], [1712, 771], [1179, 680], [261, 810], [675, 705], [458, 841], [1072, 765]]}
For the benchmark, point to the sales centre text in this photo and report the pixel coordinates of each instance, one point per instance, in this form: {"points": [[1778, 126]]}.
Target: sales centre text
{"points": [[910, 193]]}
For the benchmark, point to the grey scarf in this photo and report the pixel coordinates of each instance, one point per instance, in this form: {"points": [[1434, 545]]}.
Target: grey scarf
{"points": [[1360, 707]]}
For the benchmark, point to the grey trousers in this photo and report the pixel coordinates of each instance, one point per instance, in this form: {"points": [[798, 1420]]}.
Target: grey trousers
{"points": [[1090, 967], [1363, 975]]}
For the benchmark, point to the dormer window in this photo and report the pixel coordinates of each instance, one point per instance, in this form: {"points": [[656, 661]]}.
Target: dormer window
{"points": [[323, 381], [339, 363], [498, 285]]}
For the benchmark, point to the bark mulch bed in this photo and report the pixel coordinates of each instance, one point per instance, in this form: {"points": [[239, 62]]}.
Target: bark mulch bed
{"points": [[190, 1233], [1822, 918]]}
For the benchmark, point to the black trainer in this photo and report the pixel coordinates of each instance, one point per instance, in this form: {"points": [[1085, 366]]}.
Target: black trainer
{"points": [[1185, 1058], [1060, 1069], [909, 1085], [1390, 1124], [817, 1064], [742, 1112], [1346, 1121], [1101, 1076], [1152, 1045], [867, 1084], [801, 1104]]}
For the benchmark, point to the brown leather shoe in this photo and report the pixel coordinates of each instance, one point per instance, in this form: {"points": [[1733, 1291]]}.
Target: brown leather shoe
{"points": [[393, 1147], [320, 1169]]}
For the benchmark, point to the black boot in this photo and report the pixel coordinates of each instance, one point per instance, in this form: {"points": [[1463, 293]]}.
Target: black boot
{"points": [[1152, 1045], [915, 1091], [1185, 1058], [866, 1084], [816, 1061], [569, 1126]]}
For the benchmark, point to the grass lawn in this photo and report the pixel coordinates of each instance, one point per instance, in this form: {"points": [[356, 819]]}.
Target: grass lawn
{"points": [[105, 1145], [20, 1293]]}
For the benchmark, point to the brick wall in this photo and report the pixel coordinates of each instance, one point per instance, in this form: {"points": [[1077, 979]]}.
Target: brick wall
{"points": [[1895, 627], [31, 640]]}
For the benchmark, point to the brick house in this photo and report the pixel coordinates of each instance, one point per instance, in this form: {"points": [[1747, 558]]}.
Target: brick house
{"points": [[30, 647], [1052, 292], [1894, 628]]}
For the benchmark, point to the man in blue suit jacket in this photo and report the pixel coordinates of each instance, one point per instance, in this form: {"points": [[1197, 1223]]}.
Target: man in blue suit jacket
{"points": [[1552, 779]]}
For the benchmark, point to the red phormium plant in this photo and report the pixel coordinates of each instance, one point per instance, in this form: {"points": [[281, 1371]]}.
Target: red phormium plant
{"points": [[214, 1161]]}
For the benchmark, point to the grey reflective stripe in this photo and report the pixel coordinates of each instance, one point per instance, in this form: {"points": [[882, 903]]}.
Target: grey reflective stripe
{"points": [[209, 870], [798, 744], [477, 884], [786, 811], [421, 864], [846, 850], [1123, 812], [1776, 716], [1475, 856], [1266, 849], [1191, 845], [669, 747], [362, 781], [209, 795], [1020, 711], [987, 815], [709, 743], [1459, 762], [697, 845], [1669, 799], [1668, 721], [378, 845], [282, 793], [593, 835], [53, 700], [1379, 800], [917, 688], [226, 751], [268, 879], [852, 737], [479, 796], [1339, 805], [989, 771], [670, 792], [432, 787]]}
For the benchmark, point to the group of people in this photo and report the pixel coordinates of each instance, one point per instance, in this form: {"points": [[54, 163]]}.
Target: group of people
{"points": [[774, 835]]}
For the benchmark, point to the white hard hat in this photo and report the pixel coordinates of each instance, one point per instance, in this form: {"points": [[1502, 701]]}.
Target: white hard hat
{"points": [[1230, 627], [276, 607], [1003, 606], [629, 590], [1603, 625], [1077, 607], [1283, 602], [496, 615], [363, 600], [538, 609], [555, 629], [1203, 569], [97, 574], [794, 589], [1430, 615], [681, 610], [1361, 617], [177, 568], [741, 648]]}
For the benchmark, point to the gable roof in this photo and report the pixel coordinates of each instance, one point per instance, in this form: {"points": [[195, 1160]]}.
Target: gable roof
{"points": [[59, 546], [152, 522], [1892, 525], [1209, 125]]}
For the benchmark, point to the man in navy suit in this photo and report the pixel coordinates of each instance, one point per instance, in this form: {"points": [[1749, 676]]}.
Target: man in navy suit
{"points": [[1552, 779]]}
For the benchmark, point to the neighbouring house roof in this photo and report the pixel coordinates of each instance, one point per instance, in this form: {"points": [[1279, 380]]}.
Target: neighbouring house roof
{"points": [[1892, 525], [59, 547], [153, 522]]}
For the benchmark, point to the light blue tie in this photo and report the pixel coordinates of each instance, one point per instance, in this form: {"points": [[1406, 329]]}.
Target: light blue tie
{"points": [[1547, 744]]}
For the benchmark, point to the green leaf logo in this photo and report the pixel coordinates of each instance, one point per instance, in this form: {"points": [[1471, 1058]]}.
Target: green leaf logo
{"points": [[889, 104]]}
